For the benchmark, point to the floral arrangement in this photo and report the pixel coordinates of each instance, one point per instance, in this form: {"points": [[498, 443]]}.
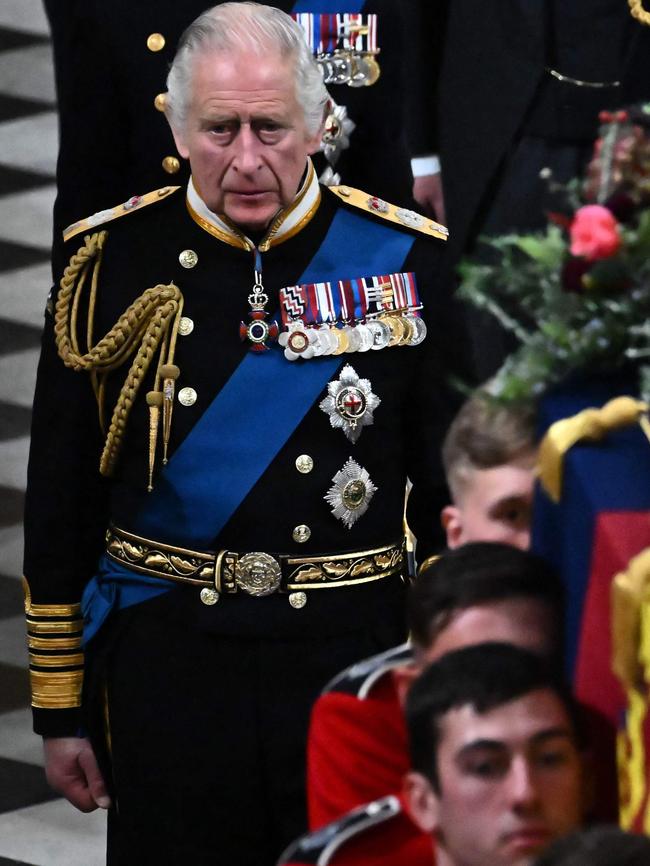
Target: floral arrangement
{"points": [[577, 295]]}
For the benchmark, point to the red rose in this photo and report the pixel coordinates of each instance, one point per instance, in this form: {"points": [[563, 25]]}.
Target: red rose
{"points": [[594, 233]]}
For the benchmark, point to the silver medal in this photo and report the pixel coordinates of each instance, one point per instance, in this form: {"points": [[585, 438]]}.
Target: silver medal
{"points": [[350, 403], [380, 333], [365, 338], [351, 493], [354, 341], [327, 340], [419, 330]]}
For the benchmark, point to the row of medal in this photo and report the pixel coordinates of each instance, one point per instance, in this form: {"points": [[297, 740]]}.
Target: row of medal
{"points": [[389, 329], [344, 45], [348, 67]]}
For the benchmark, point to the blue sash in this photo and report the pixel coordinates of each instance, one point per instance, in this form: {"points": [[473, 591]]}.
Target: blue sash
{"points": [[249, 421]]}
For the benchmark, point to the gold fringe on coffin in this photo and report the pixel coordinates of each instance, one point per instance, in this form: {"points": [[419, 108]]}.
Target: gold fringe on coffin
{"points": [[148, 326], [590, 424], [631, 664]]}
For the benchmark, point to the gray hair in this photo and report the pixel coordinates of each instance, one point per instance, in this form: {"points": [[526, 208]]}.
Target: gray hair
{"points": [[250, 27]]}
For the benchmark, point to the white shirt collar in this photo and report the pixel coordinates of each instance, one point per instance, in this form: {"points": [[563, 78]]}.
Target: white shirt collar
{"points": [[284, 225]]}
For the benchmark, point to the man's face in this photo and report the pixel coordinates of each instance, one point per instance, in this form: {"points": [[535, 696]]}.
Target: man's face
{"points": [[525, 622], [495, 505], [245, 136], [510, 783]]}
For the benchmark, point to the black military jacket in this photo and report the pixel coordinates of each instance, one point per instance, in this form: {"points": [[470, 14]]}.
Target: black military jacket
{"points": [[69, 504]]}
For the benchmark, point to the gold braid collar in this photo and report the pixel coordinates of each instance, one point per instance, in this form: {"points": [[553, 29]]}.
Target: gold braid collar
{"points": [[148, 325]]}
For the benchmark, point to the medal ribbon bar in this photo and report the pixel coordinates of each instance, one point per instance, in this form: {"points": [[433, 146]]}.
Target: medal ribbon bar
{"points": [[325, 33], [349, 300]]}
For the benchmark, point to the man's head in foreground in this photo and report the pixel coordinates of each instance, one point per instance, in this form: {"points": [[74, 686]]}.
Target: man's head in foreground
{"points": [[489, 459], [482, 592], [495, 753], [485, 591], [246, 103]]}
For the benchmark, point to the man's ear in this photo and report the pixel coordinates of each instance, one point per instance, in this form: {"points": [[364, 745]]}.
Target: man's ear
{"points": [[451, 518], [403, 677], [421, 802], [179, 139], [314, 141]]}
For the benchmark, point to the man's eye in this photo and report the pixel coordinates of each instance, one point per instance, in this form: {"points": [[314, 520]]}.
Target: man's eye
{"points": [[516, 514], [269, 131], [550, 758], [486, 768]]}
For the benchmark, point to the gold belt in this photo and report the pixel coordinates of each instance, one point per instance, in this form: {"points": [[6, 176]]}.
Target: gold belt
{"points": [[255, 573]]}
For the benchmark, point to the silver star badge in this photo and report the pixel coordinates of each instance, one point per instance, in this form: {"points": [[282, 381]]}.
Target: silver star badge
{"points": [[336, 134], [351, 493], [350, 403]]}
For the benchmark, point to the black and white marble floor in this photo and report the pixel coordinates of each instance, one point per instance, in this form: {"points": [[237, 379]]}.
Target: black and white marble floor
{"points": [[36, 827]]}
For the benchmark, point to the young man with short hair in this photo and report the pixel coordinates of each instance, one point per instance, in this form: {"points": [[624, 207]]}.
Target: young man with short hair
{"points": [[489, 460], [497, 770]]}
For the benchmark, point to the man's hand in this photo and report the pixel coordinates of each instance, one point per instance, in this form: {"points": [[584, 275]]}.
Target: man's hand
{"points": [[427, 191], [71, 769]]}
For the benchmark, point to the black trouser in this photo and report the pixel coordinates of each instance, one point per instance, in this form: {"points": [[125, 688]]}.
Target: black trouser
{"points": [[207, 732]]}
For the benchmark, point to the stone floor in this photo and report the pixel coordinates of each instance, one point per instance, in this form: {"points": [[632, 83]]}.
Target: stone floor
{"points": [[36, 827]]}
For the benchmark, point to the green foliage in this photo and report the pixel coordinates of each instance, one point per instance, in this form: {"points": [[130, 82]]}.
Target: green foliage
{"points": [[598, 327]]}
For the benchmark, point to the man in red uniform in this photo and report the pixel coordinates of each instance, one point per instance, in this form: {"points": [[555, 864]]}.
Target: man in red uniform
{"points": [[357, 747]]}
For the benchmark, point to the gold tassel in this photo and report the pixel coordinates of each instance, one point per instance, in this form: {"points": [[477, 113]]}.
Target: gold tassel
{"points": [[169, 373], [154, 402]]}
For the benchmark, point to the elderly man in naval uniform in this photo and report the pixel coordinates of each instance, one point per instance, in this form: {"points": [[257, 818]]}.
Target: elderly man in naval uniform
{"points": [[237, 378]]}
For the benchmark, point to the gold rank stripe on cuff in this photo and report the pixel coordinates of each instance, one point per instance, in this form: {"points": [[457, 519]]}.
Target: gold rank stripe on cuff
{"points": [[52, 690], [54, 626], [54, 635], [390, 212], [136, 202]]}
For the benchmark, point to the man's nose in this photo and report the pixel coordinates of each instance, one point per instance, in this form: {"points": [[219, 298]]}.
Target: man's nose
{"points": [[247, 150], [522, 786]]}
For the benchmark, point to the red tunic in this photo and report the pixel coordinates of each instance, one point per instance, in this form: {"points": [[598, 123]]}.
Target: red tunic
{"points": [[357, 752]]}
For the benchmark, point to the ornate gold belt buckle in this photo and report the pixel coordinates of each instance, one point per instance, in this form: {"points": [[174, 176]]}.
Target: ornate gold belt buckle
{"points": [[258, 574]]}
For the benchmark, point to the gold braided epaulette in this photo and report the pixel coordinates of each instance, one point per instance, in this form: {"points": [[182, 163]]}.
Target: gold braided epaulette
{"points": [[401, 216], [136, 202]]}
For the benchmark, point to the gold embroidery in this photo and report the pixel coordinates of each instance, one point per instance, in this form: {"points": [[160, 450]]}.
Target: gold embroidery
{"points": [[235, 240], [220, 570], [62, 661], [56, 689], [358, 199], [359, 567], [163, 559], [51, 627], [120, 210], [62, 643], [68, 610]]}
